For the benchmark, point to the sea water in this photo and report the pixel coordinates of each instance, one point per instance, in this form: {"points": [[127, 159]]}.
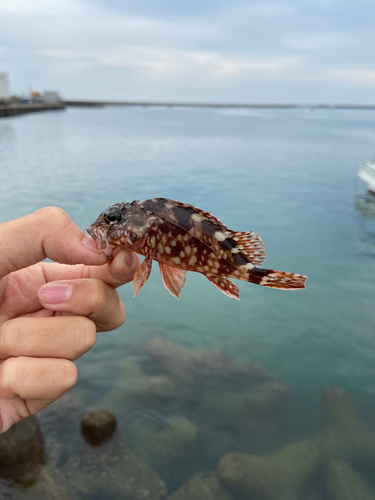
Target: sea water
{"points": [[290, 175]]}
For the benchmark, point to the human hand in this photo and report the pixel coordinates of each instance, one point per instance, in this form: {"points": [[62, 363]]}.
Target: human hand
{"points": [[50, 312]]}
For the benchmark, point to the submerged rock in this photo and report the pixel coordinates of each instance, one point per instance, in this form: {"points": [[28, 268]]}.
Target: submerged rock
{"points": [[110, 470], [186, 362], [344, 484], [267, 398], [205, 370], [98, 425], [30, 472], [280, 475], [22, 450], [48, 485], [204, 486], [252, 371], [133, 386], [345, 436], [283, 474], [170, 442]]}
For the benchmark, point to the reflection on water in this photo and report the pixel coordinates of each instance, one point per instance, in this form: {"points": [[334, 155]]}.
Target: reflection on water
{"points": [[268, 398], [365, 206], [365, 210]]}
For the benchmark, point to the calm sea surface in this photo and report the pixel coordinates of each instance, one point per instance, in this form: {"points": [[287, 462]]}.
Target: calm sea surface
{"points": [[290, 175]]}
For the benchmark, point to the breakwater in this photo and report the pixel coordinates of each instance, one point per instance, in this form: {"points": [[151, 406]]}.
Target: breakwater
{"points": [[217, 105], [19, 109]]}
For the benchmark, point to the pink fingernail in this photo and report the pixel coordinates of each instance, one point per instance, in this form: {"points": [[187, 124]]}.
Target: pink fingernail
{"points": [[56, 293], [130, 259], [90, 244]]}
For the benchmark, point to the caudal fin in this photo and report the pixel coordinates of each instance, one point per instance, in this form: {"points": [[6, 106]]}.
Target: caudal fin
{"points": [[276, 279]]}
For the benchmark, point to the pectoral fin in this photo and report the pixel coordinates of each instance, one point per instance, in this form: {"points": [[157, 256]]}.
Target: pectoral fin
{"points": [[142, 274], [173, 279]]}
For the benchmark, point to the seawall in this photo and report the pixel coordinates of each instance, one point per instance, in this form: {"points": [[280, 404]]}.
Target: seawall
{"points": [[20, 109]]}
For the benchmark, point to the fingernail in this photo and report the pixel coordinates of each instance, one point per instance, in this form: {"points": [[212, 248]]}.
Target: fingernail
{"points": [[56, 293], [90, 243], [130, 259]]}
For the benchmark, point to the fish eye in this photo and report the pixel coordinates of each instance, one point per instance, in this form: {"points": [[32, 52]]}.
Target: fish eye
{"points": [[112, 216]]}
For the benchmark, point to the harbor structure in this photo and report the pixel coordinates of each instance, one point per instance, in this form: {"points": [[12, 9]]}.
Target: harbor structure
{"points": [[4, 87], [51, 97]]}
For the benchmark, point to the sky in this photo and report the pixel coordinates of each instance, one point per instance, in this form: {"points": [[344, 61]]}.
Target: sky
{"points": [[225, 51]]}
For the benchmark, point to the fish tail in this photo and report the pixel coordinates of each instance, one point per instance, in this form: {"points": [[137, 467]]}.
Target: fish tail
{"points": [[275, 279]]}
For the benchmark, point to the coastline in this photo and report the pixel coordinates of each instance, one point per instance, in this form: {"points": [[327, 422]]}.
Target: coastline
{"points": [[20, 109]]}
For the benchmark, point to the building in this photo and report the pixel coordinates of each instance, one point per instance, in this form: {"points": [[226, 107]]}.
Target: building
{"points": [[4, 89], [51, 97]]}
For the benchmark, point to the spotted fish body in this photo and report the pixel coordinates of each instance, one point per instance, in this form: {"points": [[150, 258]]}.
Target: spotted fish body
{"points": [[184, 238]]}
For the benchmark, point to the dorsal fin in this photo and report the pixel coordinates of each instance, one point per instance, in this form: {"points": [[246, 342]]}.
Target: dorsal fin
{"points": [[181, 214], [194, 209], [250, 244]]}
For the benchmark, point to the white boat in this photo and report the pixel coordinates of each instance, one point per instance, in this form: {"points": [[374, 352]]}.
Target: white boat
{"points": [[367, 173]]}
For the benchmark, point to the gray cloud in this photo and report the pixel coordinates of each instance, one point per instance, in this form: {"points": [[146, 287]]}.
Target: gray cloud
{"points": [[227, 50]]}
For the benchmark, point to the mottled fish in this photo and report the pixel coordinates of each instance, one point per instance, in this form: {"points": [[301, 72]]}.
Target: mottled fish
{"points": [[181, 238]]}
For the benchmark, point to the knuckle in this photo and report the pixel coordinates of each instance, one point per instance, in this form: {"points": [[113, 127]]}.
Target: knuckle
{"points": [[8, 374], [8, 338], [105, 309], [97, 295], [120, 318], [86, 333], [59, 217], [114, 315], [71, 375]]}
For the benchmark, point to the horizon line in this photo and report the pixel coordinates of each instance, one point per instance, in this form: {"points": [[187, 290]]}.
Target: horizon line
{"points": [[79, 102]]}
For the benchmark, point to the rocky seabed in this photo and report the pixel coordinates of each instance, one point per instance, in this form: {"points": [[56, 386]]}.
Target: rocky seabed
{"points": [[197, 426]]}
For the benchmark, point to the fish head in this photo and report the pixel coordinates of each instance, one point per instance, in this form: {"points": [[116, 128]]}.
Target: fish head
{"points": [[121, 224]]}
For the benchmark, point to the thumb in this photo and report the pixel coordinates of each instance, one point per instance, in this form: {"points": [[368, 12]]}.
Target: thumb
{"points": [[48, 232]]}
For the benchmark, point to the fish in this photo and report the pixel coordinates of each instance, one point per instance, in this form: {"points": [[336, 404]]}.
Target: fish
{"points": [[182, 238]]}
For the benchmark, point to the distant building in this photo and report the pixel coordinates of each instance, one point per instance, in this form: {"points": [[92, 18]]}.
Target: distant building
{"points": [[51, 97], [4, 89], [35, 96]]}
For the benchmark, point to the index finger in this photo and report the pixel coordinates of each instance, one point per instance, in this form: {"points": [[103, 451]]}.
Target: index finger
{"points": [[48, 232], [116, 273]]}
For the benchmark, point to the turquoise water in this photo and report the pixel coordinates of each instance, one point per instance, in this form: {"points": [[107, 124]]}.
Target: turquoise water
{"points": [[290, 175]]}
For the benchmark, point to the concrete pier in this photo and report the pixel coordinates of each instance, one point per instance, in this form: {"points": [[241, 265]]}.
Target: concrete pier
{"points": [[20, 109]]}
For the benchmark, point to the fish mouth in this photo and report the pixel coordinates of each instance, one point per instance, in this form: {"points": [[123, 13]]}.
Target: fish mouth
{"points": [[99, 236], [101, 239]]}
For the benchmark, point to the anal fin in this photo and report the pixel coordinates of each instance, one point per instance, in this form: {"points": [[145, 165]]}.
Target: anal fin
{"points": [[225, 285], [142, 274], [173, 279]]}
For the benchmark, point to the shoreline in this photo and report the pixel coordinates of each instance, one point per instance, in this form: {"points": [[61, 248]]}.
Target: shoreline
{"points": [[20, 109]]}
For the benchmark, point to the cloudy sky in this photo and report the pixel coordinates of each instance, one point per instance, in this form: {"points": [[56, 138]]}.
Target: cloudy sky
{"points": [[198, 50]]}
